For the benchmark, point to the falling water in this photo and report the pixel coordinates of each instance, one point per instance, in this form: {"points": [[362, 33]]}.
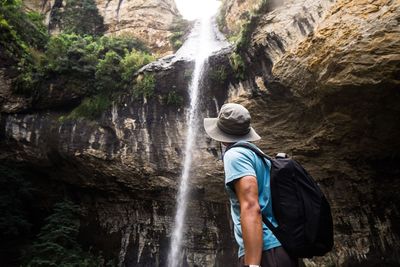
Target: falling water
{"points": [[203, 41]]}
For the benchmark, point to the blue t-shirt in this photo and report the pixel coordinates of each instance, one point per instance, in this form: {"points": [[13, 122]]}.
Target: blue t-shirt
{"points": [[240, 162]]}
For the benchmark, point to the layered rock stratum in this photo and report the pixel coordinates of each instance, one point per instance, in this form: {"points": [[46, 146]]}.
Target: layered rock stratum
{"points": [[327, 73]]}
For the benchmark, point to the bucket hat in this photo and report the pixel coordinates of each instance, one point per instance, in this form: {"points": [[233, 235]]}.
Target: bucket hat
{"points": [[232, 125]]}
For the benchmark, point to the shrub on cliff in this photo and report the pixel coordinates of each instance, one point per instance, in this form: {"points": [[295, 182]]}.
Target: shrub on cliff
{"points": [[68, 55], [132, 62], [145, 85], [90, 108], [180, 28], [241, 37], [20, 31], [108, 72], [57, 244], [88, 65], [115, 72], [238, 65], [77, 16], [15, 193], [71, 53], [218, 74], [173, 99], [22, 34], [104, 64]]}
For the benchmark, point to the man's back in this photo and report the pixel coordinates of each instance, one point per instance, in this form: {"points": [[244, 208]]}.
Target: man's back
{"points": [[247, 182], [240, 162]]}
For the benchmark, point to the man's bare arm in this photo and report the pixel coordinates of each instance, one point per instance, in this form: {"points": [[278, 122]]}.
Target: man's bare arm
{"points": [[246, 189]]}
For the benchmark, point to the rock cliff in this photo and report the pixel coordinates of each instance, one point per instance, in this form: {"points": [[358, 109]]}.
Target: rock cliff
{"points": [[148, 20], [234, 14], [323, 79], [124, 168], [151, 21]]}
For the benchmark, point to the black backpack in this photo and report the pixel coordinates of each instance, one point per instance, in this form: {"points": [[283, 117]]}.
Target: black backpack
{"points": [[305, 227]]}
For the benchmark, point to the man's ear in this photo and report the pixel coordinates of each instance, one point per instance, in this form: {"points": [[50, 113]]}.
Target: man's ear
{"points": [[226, 144]]}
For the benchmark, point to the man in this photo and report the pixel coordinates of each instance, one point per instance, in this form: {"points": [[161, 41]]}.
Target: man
{"points": [[247, 180]]}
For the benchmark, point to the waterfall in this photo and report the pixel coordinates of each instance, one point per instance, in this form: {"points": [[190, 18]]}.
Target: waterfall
{"points": [[204, 40]]}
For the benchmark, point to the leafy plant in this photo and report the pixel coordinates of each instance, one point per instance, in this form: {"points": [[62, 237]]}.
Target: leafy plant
{"points": [[221, 22], [173, 99], [57, 244], [90, 108], [71, 53], [121, 44], [179, 29], [78, 16], [15, 191], [145, 85], [249, 25], [238, 65], [132, 62], [22, 35], [19, 30], [218, 74], [176, 40], [105, 64], [94, 67], [107, 70]]}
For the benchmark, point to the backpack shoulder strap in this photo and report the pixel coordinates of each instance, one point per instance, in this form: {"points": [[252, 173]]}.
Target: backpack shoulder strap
{"points": [[263, 156], [252, 148]]}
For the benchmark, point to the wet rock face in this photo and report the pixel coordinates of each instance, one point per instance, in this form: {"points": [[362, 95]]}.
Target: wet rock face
{"points": [[137, 231], [285, 25], [323, 86], [147, 20], [124, 168], [355, 46]]}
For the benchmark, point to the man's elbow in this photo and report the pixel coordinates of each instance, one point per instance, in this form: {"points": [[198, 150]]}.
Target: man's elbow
{"points": [[251, 208]]}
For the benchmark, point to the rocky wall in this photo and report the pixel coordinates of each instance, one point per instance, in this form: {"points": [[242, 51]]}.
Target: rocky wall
{"points": [[151, 21], [124, 168], [322, 86]]}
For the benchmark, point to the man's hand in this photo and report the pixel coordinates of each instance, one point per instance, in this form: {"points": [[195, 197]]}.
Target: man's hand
{"points": [[246, 189]]}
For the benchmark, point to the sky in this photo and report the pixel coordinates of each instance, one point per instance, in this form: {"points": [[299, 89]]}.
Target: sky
{"points": [[193, 9]]}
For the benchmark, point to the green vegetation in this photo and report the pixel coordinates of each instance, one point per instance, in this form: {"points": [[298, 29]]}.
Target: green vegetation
{"points": [[221, 17], [57, 244], [90, 108], [247, 18], [20, 30], [78, 16], [179, 29], [21, 33], [173, 99], [91, 66], [248, 27], [15, 192], [145, 85], [219, 74], [243, 37], [238, 65], [107, 69], [99, 66], [176, 40], [132, 62]]}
